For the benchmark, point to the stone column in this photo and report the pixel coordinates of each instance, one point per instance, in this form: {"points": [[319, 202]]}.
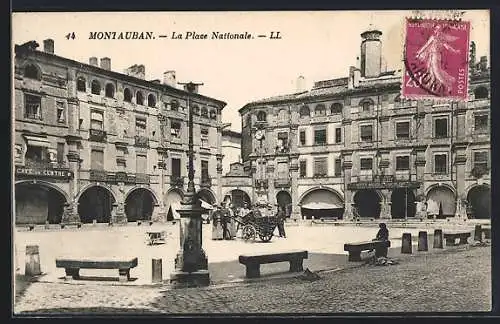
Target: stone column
{"points": [[219, 177], [270, 176], [348, 194], [385, 204], [253, 175], [70, 213], [118, 212], [294, 171], [460, 162]]}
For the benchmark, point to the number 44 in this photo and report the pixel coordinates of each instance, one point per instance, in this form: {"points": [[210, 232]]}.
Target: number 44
{"points": [[70, 35]]}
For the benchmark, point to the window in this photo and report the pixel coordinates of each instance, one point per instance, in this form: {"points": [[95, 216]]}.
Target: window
{"points": [[175, 129], [282, 142], [366, 133], [32, 72], [151, 100], [481, 93], [127, 95], [402, 163], [110, 90], [140, 126], [121, 164], [440, 164], [302, 136], [141, 164], [213, 114], [97, 159], [204, 170], [320, 110], [402, 130], [261, 116], [282, 168], [97, 120], [481, 160], [60, 153], [196, 110], [338, 135], [367, 105], [204, 137], [366, 163], [441, 127], [95, 87], [338, 167], [336, 108], [303, 169], [320, 137], [481, 123], [397, 98], [81, 84], [139, 98], [36, 153], [204, 112], [320, 167], [304, 111], [176, 167], [283, 115], [61, 116], [174, 105], [33, 106]]}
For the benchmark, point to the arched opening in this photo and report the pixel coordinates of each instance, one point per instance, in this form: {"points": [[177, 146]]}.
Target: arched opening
{"points": [[139, 205], [441, 202], [320, 110], [139, 98], [81, 84], [37, 203], [322, 203], [336, 108], [261, 116], [173, 203], [96, 87], [207, 196], [196, 110], [481, 93], [284, 200], [479, 200], [304, 111], [204, 112], [151, 100], [238, 198], [95, 203], [367, 105], [213, 114], [32, 72], [110, 90], [402, 203], [174, 105], [127, 95], [367, 203]]}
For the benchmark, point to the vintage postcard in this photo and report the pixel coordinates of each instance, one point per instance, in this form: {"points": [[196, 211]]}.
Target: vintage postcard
{"points": [[251, 162]]}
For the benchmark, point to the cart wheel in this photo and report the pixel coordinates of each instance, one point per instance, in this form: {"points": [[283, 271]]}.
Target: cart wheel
{"points": [[248, 232], [266, 237]]}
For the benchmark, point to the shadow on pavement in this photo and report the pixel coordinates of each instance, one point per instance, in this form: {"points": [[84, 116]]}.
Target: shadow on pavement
{"points": [[89, 310], [22, 284]]}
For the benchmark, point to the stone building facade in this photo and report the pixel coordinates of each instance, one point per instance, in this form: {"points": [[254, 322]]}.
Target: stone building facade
{"points": [[351, 147], [94, 145]]}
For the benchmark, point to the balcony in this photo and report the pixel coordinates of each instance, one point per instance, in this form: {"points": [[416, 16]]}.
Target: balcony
{"points": [[98, 175], [97, 135], [142, 178], [282, 150], [177, 181], [383, 181], [206, 182], [141, 141], [282, 183]]}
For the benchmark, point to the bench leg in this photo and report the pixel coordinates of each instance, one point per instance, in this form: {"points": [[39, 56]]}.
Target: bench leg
{"points": [[296, 266], [463, 240], [124, 275], [450, 242], [72, 273], [253, 270], [354, 256]]}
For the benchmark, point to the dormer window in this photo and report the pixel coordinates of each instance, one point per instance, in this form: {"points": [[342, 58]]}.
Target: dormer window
{"points": [[320, 110], [196, 110], [96, 87], [151, 100], [261, 116], [127, 95], [139, 98], [304, 111], [174, 105], [110, 90], [81, 85], [213, 114], [204, 112], [336, 108]]}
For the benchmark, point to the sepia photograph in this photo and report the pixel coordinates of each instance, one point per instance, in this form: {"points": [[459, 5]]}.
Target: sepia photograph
{"points": [[259, 162]]}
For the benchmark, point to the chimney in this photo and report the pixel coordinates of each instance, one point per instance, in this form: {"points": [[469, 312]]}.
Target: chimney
{"points": [[483, 63], [350, 80], [300, 84], [141, 71], [356, 77], [93, 61], [195, 88], [169, 78], [371, 53], [106, 63], [48, 46], [472, 54]]}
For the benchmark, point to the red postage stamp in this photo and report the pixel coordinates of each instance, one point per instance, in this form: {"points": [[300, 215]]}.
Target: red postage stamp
{"points": [[436, 57]]}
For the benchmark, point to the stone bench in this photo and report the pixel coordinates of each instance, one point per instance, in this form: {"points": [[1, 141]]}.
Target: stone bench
{"points": [[487, 232], [74, 224], [253, 262], [355, 249], [72, 266], [451, 237]]}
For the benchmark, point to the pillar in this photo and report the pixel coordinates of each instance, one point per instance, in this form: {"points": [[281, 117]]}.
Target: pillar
{"points": [[422, 241], [294, 171], [118, 215], [385, 204], [219, 176], [438, 239], [348, 194], [406, 246], [271, 189]]}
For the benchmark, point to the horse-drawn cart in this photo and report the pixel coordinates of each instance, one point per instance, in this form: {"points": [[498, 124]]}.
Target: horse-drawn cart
{"points": [[255, 224]]}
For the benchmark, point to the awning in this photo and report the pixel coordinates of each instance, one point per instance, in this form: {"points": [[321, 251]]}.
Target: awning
{"points": [[175, 207], [205, 205], [321, 205], [37, 141]]}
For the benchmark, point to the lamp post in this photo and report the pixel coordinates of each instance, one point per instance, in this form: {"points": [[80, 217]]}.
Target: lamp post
{"points": [[191, 264]]}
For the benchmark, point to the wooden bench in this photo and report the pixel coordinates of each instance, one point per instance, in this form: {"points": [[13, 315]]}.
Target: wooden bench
{"points": [[450, 238], [253, 262], [355, 249], [72, 266]]}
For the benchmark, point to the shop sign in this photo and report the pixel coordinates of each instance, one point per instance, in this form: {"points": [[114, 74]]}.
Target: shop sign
{"points": [[46, 173]]}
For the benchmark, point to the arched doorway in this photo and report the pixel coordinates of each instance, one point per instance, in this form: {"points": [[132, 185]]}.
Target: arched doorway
{"points": [[238, 198], [207, 196], [367, 203], [37, 203], [402, 203], [95, 203], [139, 205], [284, 200], [479, 199], [444, 197], [173, 203], [322, 203]]}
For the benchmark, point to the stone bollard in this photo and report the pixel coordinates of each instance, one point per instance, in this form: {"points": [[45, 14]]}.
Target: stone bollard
{"points": [[32, 261], [422, 241], [47, 225], [438, 239], [157, 271], [478, 235], [150, 223], [406, 246], [94, 222]]}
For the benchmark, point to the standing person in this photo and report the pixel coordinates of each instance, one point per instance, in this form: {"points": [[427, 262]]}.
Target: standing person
{"points": [[382, 235], [280, 215], [217, 230], [225, 220], [231, 222]]}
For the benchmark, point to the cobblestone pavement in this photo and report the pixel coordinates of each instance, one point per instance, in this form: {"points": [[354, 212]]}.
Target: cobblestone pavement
{"points": [[455, 279]]}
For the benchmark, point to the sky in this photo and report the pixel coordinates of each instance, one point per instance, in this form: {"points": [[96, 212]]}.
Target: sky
{"points": [[317, 45]]}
